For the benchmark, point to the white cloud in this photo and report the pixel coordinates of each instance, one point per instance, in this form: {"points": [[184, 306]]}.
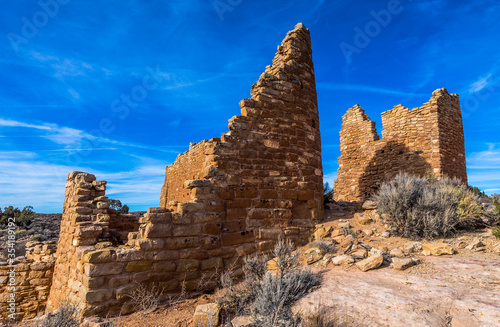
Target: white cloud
{"points": [[13, 123], [488, 159], [42, 184], [480, 84]]}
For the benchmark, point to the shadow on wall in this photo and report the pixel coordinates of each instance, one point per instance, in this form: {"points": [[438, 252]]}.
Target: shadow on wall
{"points": [[387, 162]]}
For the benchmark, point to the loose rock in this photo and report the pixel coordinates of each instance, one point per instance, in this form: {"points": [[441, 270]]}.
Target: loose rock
{"points": [[372, 262]]}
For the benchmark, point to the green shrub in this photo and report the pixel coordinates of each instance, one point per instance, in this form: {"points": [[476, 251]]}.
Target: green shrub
{"points": [[496, 232], [23, 218], [496, 204], [419, 207], [476, 191]]}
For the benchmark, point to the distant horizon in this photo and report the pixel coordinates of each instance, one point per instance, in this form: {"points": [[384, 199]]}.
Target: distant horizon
{"points": [[119, 90]]}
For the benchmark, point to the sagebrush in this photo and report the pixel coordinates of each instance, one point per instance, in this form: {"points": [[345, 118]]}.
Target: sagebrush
{"points": [[268, 295], [424, 207]]}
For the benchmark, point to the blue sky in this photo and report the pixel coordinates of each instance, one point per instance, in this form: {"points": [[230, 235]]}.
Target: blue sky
{"points": [[120, 88]]}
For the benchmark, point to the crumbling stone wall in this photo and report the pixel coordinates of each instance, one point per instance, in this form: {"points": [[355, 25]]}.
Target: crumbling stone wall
{"points": [[29, 279], [425, 139], [266, 172], [222, 200]]}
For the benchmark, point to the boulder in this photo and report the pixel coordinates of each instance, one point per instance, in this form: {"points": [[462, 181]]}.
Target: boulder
{"points": [[372, 262], [342, 260], [476, 245], [369, 205], [438, 249], [368, 232], [242, 321], [337, 232], [322, 232], [364, 220], [314, 254], [402, 263], [206, 315], [397, 253], [413, 247]]}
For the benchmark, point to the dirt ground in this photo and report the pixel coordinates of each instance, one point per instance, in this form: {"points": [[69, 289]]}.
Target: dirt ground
{"points": [[453, 290]]}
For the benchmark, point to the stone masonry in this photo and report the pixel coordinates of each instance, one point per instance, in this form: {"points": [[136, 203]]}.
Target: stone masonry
{"points": [[223, 199], [425, 139]]}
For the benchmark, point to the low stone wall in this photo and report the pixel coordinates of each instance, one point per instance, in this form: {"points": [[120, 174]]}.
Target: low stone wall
{"points": [[25, 285]]}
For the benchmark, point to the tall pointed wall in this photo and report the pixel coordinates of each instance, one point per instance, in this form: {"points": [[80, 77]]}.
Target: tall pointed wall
{"points": [[223, 199]]}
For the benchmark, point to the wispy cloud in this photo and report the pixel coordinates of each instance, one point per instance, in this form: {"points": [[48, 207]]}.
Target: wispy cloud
{"points": [[40, 184], [13, 123], [367, 88], [480, 84], [484, 168]]}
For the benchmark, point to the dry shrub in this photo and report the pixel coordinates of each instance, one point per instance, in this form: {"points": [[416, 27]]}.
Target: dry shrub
{"points": [[268, 296], [146, 298], [417, 207], [67, 315]]}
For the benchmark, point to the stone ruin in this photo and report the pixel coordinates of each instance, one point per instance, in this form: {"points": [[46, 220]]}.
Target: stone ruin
{"points": [[425, 139], [229, 197], [223, 199]]}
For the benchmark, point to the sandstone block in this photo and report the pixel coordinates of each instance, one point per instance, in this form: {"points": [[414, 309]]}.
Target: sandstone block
{"points": [[438, 248], [342, 260], [99, 256], [372, 262], [97, 296], [188, 265], [206, 315], [189, 184], [369, 205], [103, 269], [402, 263], [136, 266], [147, 244], [313, 254]]}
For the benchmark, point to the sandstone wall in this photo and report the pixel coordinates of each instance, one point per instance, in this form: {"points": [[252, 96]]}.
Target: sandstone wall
{"points": [[222, 200], [188, 166], [425, 139], [266, 171], [30, 283]]}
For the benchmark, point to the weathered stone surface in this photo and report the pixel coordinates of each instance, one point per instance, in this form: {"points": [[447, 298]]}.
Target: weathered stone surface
{"points": [[342, 260], [99, 256], [402, 263], [242, 321], [477, 245], [321, 233], [372, 262], [438, 249], [206, 315], [313, 254], [369, 205], [428, 138], [138, 266], [413, 247]]}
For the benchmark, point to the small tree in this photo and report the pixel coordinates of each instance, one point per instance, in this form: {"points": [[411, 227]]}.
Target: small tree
{"points": [[117, 205]]}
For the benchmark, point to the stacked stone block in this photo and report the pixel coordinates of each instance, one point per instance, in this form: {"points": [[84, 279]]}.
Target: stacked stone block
{"points": [[266, 171], [31, 282], [425, 139], [222, 200]]}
